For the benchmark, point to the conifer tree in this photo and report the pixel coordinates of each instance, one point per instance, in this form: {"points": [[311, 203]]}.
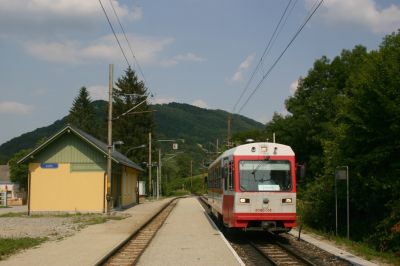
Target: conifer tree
{"points": [[82, 114], [133, 119]]}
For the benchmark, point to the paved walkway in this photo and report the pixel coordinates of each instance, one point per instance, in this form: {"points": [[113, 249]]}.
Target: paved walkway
{"points": [[188, 237], [325, 245], [89, 245]]}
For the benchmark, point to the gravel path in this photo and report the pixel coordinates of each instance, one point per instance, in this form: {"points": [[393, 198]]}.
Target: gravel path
{"points": [[51, 227], [54, 227]]}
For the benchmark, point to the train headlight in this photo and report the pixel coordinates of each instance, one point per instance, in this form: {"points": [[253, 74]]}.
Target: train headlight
{"points": [[244, 200], [287, 200]]}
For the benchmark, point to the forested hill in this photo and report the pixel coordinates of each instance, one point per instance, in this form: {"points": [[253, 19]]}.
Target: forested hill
{"points": [[176, 120], [173, 120]]}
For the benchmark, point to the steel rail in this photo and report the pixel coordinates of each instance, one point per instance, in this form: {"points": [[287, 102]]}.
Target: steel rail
{"points": [[129, 250], [279, 255]]}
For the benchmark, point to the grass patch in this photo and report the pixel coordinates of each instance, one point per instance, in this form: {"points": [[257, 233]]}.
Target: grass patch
{"points": [[13, 214], [77, 217], [3, 207], [10, 246], [358, 248]]}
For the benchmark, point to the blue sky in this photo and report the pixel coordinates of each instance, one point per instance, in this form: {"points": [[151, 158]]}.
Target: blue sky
{"points": [[200, 52]]}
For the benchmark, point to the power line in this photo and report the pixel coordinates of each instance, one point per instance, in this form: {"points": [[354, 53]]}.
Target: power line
{"points": [[129, 44], [126, 38], [115, 35], [266, 50], [311, 13]]}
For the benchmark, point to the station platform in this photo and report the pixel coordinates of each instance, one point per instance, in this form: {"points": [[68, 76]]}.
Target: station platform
{"points": [[89, 245], [330, 248], [188, 237]]}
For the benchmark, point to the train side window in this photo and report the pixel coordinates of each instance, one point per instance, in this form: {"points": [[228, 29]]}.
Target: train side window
{"points": [[230, 175], [224, 174]]}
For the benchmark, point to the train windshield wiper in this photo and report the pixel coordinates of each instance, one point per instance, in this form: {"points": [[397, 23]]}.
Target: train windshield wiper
{"points": [[258, 166]]}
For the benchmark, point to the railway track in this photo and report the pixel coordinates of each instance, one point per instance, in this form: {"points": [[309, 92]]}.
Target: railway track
{"points": [[130, 250], [278, 254], [264, 250]]}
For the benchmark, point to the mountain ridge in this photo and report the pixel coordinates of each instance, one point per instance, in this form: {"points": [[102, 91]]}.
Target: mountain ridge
{"points": [[173, 120]]}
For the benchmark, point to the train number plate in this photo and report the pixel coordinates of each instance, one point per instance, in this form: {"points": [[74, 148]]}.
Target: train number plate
{"points": [[264, 210]]}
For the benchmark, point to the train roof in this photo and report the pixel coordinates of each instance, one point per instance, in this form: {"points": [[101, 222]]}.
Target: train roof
{"points": [[258, 149]]}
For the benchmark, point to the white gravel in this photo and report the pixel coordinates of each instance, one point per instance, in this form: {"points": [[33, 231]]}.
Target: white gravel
{"points": [[51, 227]]}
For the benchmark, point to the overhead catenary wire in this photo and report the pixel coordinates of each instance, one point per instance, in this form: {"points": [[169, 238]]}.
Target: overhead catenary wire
{"points": [[311, 13], [271, 41], [279, 31], [119, 43], [127, 41], [115, 35]]}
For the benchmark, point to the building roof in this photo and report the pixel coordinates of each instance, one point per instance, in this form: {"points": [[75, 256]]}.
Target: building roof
{"points": [[98, 144], [4, 174]]}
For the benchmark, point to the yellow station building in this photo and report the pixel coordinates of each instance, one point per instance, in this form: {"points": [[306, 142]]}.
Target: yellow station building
{"points": [[67, 173]]}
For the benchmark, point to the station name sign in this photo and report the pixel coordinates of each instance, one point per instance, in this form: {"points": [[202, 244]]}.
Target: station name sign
{"points": [[49, 165]]}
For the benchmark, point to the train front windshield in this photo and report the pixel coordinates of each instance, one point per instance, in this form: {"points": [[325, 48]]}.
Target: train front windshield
{"points": [[265, 175]]}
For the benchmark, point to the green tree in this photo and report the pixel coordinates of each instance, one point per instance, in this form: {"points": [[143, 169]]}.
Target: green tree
{"points": [[83, 115], [370, 120], [19, 172], [132, 114]]}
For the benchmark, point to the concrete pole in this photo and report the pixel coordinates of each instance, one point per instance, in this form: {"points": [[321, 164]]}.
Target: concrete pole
{"points": [[191, 176], [336, 207], [229, 131], [109, 137], [149, 165], [158, 177], [348, 204], [160, 167]]}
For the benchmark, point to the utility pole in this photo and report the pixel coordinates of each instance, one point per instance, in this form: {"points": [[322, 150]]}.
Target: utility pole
{"points": [[159, 174], [191, 176], [160, 165], [229, 131], [109, 138], [149, 164]]}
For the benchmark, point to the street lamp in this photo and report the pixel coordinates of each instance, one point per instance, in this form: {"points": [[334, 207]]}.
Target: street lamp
{"points": [[118, 142], [134, 148]]}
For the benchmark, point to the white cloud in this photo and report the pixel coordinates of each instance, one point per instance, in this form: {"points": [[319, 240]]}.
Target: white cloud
{"points": [[51, 17], [163, 100], [168, 62], [146, 49], [361, 12], [200, 103], [243, 67], [67, 52], [293, 86], [98, 92], [188, 57], [15, 108]]}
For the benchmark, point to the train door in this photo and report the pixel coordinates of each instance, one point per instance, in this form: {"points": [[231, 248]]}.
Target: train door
{"points": [[228, 191]]}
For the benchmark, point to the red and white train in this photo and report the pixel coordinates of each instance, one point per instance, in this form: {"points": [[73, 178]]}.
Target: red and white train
{"points": [[253, 186]]}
